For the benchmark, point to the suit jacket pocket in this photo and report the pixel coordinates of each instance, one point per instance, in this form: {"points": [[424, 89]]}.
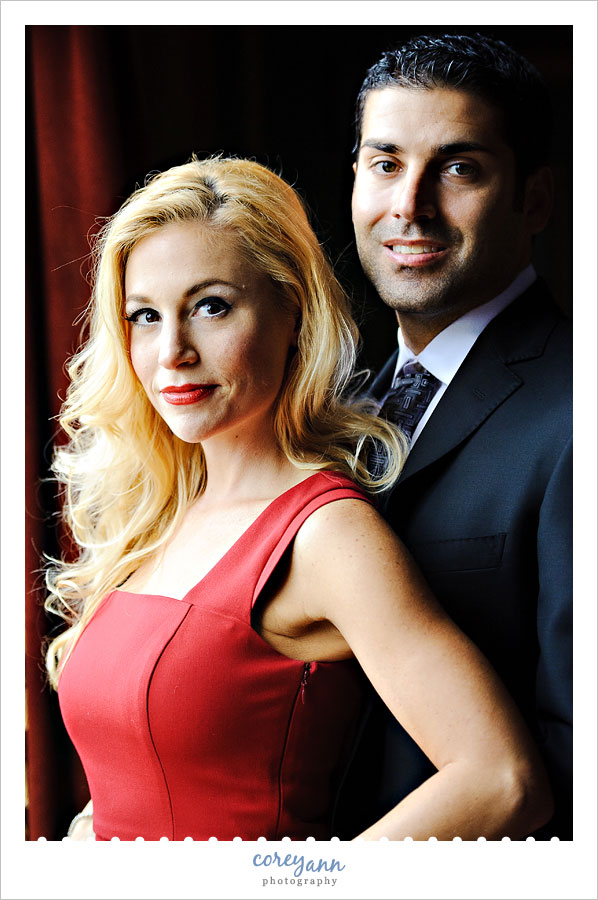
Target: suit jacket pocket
{"points": [[461, 554]]}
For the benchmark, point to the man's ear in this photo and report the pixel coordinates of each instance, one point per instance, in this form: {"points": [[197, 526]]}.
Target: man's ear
{"points": [[538, 199]]}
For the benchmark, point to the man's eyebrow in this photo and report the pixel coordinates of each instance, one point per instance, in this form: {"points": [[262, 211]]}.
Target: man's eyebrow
{"points": [[462, 147], [441, 150], [381, 146]]}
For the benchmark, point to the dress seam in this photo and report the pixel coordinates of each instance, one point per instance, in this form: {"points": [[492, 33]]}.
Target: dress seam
{"points": [[149, 726]]}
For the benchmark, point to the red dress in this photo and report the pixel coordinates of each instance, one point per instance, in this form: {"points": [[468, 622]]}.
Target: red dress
{"points": [[189, 724]]}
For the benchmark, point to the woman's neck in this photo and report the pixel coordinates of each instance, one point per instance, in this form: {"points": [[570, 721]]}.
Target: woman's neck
{"points": [[242, 467]]}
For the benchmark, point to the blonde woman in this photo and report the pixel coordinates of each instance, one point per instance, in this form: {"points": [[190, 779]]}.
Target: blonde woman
{"points": [[235, 580]]}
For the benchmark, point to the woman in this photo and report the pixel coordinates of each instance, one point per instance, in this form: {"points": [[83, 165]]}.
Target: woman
{"points": [[232, 565]]}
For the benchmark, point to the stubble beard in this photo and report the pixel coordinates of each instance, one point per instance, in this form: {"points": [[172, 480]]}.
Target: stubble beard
{"points": [[412, 292], [428, 291]]}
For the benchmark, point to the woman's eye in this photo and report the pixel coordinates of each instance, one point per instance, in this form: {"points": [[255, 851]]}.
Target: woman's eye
{"points": [[143, 317], [212, 308]]}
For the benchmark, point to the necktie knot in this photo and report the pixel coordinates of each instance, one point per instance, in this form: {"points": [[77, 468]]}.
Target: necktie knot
{"points": [[411, 368]]}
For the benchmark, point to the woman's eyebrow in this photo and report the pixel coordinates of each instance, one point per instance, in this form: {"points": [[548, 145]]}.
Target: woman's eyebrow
{"points": [[194, 289], [208, 282]]}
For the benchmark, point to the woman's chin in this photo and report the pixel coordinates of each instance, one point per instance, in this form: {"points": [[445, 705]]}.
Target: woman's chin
{"points": [[188, 436]]}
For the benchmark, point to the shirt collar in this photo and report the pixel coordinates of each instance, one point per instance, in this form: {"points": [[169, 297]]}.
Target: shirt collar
{"points": [[445, 353]]}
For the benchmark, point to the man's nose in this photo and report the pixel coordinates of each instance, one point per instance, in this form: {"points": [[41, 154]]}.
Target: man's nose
{"points": [[414, 197], [176, 345]]}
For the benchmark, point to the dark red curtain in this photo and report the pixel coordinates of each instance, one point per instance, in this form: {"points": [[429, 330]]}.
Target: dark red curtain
{"points": [[108, 104], [73, 173]]}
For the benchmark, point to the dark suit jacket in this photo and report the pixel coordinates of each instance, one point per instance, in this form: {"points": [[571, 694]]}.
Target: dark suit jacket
{"points": [[484, 505]]}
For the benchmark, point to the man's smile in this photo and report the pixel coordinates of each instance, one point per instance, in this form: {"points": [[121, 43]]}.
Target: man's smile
{"points": [[415, 254]]}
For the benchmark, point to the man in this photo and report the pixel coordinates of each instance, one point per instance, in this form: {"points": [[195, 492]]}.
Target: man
{"points": [[451, 185]]}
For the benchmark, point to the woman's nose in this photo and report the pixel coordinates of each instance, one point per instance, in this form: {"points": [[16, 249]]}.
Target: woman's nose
{"points": [[176, 346]]}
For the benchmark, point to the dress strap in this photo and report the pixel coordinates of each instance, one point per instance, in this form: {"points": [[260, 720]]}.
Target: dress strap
{"points": [[341, 488]]}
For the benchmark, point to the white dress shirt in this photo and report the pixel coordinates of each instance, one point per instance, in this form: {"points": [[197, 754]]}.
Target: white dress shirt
{"points": [[444, 354]]}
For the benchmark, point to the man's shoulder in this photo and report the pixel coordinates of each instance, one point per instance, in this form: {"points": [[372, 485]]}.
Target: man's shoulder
{"points": [[532, 326]]}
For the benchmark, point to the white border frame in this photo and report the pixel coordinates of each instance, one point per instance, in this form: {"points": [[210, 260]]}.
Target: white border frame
{"points": [[223, 870]]}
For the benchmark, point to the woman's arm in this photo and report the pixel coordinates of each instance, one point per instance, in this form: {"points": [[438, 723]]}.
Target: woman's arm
{"points": [[81, 828], [350, 569]]}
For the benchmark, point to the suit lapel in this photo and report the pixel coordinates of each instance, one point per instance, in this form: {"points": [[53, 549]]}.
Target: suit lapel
{"points": [[383, 380], [473, 395], [485, 379]]}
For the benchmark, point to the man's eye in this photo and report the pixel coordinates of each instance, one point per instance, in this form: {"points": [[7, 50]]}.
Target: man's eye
{"points": [[386, 166], [462, 170], [143, 317], [212, 308]]}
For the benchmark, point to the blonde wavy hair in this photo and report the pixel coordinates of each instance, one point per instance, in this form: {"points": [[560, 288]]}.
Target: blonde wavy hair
{"points": [[127, 480]]}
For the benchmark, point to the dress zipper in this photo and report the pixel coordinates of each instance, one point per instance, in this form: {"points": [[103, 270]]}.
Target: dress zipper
{"points": [[306, 673]]}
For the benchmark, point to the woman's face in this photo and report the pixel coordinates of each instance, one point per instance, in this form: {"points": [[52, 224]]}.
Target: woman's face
{"points": [[209, 336]]}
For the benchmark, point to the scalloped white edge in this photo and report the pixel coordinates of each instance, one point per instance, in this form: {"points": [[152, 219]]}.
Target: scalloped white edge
{"points": [[239, 840]]}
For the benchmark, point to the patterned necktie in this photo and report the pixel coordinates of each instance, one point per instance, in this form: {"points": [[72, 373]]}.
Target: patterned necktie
{"points": [[409, 397]]}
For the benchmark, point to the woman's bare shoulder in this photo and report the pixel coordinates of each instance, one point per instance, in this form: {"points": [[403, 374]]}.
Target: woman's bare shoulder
{"points": [[345, 554], [348, 525]]}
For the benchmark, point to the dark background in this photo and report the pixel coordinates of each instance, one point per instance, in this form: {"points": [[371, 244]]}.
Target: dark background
{"points": [[108, 104]]}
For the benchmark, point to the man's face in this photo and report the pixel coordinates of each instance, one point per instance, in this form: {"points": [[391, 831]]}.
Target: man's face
{"points": [[438, 226]]}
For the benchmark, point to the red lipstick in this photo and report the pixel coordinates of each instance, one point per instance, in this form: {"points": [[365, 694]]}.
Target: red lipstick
{"points": [[182, 394]]}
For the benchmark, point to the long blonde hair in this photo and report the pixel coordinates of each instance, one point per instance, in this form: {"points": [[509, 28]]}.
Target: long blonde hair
{"points": [[127, 479]]}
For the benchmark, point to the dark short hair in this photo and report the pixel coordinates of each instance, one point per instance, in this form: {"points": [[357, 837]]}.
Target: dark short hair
{"points": [[482, 66]]}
